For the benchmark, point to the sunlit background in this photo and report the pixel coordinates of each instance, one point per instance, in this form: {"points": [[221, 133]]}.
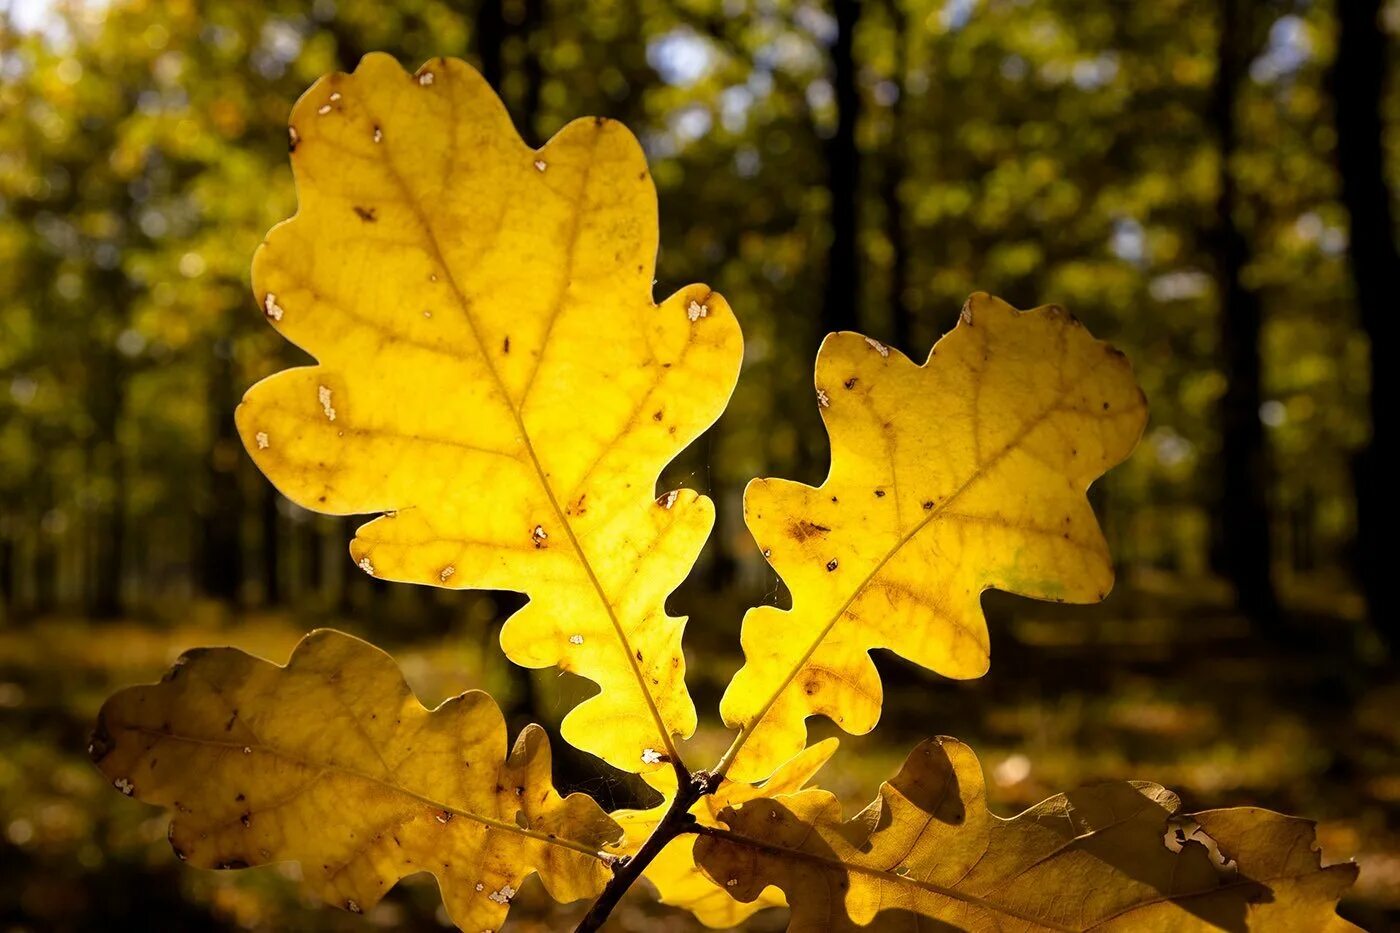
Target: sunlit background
{"points": [[1207, 183]]}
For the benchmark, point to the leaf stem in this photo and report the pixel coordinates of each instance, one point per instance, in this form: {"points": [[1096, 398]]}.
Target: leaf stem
{"points": [[677, 821]]}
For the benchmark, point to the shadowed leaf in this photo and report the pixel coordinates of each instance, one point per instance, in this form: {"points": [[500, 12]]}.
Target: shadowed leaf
{"points": [[928, 854], [331, 761], [494, 375], [963, 474]]}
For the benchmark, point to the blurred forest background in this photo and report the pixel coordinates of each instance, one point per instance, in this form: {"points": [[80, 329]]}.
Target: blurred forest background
{"points": [[1208, 183]]}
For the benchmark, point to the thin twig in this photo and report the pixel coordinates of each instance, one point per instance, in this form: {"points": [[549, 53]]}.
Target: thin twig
{"points": [[626, 871]]}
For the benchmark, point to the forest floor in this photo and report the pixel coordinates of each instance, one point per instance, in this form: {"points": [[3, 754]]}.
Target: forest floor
{"points": [[1160, 684]]}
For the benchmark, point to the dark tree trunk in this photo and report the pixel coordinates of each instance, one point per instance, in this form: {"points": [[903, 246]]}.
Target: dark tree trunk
{"points": [[843, 168], [270, 546], [490, 37], [1358, 80], [106, 459], [1243, 512], [313, 558], [532, 69], [221, 544], [901, 316]]}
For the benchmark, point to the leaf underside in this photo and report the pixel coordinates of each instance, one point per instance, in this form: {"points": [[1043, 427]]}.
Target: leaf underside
{"points": [[928, 854], [332, 762], [966, 473], [495, 377]]}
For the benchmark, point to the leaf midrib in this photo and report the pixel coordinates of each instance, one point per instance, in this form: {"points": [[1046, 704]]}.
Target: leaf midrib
{"points": [[516, 414], [348, 772]]}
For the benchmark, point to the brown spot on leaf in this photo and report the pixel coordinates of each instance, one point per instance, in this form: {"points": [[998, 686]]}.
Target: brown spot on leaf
{"points": [[367, 214], [802, 530]]}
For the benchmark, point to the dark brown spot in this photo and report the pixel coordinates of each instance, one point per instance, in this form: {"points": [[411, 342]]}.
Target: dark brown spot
{"points": [[850, 383], [365, 213], [246, 819], [1105, 406], [656, 415], [831, 565], [802, 530], [505, 345], [928, 504], [639, 654], [239, 798], [879, 494]]}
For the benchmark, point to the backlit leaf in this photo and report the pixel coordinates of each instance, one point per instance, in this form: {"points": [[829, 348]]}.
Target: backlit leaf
{"points": [[678, 880], [947, 479], [1113, 857], [331, 761], [494, 376]]}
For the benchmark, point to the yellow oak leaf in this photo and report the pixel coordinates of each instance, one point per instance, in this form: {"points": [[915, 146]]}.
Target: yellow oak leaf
{"points": [[331, 761], [495, 377], [966, 473], [678, 880], [1116, 857]]}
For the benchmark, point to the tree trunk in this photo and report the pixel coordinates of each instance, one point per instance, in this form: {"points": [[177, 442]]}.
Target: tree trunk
{"points": [[106, 392], [221, 544], [843, 168], [1358, 83], [270, 546], [1243, 512], [490, 36], [901, 316]]}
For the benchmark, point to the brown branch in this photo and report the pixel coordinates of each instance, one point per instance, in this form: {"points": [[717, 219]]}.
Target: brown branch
{"points": [[677, 821]]}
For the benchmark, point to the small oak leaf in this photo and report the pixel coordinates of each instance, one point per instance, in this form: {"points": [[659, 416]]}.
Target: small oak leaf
{"points": [[963, 474]]}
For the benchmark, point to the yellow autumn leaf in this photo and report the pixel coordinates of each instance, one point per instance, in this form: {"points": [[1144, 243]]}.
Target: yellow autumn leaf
{"points": [[678, 880], [332, 762], [494, 376], [966, 473], [1116, 857]]}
